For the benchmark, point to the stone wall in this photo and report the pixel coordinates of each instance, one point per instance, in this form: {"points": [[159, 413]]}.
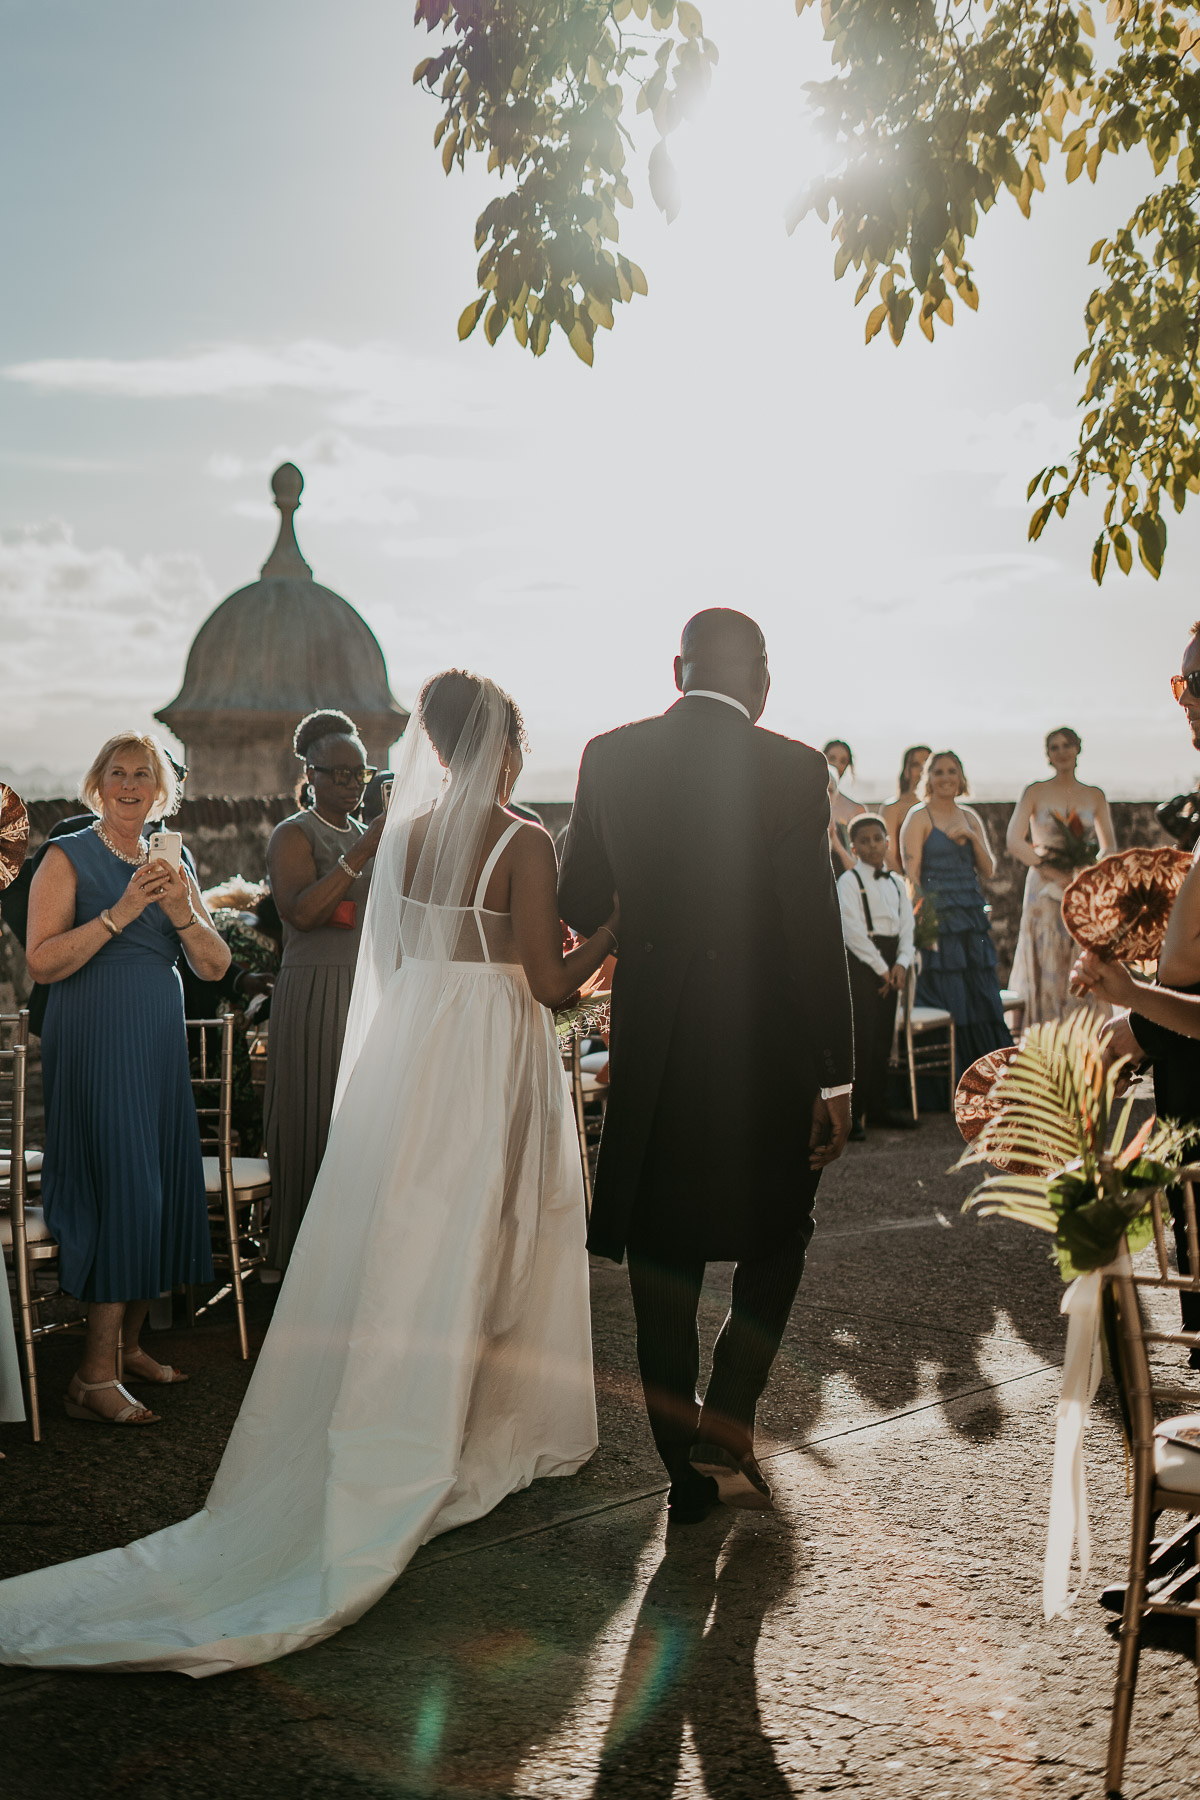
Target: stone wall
{"points": [[229, 837]]}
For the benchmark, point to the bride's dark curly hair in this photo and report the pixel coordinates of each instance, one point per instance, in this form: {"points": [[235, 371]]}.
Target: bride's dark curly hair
{"points": [[444, 706]]}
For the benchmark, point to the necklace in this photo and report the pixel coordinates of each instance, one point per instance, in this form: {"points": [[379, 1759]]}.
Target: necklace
{"points": [[136, 861], [343, 829]]}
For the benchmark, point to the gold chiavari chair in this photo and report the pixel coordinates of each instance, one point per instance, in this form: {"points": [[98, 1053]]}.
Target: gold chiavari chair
{"points": [[914, 1026], [238, 1187], [29, 1249], [1164, 1576]]}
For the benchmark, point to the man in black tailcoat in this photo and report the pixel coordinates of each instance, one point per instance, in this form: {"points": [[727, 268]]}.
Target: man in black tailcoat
{"points": [[731, 1048]]}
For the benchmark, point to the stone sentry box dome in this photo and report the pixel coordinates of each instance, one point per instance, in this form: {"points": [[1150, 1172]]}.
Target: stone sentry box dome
{"points": [[272, 652]]}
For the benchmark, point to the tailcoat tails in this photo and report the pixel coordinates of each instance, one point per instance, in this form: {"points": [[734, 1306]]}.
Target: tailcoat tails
{"points": [[731, 1004]]}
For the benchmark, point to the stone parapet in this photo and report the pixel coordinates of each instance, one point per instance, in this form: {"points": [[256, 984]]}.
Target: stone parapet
{"points": [[229, 837]]}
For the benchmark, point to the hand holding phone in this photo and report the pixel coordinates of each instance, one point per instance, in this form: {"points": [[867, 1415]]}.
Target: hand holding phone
{"points": [[166, 846]]}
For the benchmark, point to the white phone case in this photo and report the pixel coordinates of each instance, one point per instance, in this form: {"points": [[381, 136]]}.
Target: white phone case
{"points": [[166, 846]]}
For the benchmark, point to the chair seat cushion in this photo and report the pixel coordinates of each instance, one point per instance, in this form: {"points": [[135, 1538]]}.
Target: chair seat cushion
{"points": [[33, 1165], [1177, 1454], [595, 1064], [929, 1018], [251, 1177], [36, 1229]]}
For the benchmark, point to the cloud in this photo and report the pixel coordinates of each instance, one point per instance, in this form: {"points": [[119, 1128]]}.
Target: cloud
{"points": [[372, 385], [90, 639], [350, 482], [1013, 444]]}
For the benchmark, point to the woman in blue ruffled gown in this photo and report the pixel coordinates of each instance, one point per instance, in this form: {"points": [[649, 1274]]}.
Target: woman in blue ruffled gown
{"points": [[946, 853]]}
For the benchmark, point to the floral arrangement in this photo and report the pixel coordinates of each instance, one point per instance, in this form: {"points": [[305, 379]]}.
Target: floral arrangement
{"points": [[583, 1009], [1077, 847], [1057, 1132], [926, 923]]}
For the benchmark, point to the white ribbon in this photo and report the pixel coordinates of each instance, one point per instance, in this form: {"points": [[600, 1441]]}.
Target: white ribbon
{"points": [[1068, 1489]]}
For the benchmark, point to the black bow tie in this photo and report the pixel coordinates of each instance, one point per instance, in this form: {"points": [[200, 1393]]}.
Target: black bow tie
{"points": [[882, 874]]}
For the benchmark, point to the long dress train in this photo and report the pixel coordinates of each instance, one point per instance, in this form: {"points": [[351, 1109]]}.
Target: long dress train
{"points": [[430, 1351]]}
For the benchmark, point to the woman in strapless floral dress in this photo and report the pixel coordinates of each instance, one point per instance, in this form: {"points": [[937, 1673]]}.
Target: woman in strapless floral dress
{"points": [[1046, 812]]}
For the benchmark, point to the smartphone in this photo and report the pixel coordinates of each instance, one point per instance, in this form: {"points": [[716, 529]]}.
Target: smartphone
{"points": [[166, 846], [385, 790]]}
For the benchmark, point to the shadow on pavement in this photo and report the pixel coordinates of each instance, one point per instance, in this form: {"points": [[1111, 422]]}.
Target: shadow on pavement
{"points": [[683, 1668]]}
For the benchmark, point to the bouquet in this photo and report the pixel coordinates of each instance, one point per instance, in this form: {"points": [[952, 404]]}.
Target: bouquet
{"points": [[1077, 847], [926, 923], [584, 1009]]}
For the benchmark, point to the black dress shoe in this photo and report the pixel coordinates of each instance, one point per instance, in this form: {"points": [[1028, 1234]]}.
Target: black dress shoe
{"points": [[691, 1499], [738, 1479], [857, 1132]]}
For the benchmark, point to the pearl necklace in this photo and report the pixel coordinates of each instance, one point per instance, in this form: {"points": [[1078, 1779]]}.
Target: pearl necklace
{"points": [[135, 861], [343, 830]]}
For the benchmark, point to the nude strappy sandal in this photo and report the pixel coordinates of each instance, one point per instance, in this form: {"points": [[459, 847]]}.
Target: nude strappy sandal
{"points": [[75, 1408]]}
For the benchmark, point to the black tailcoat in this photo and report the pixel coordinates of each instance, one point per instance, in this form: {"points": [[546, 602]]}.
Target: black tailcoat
{"points": [[731, 1005]]}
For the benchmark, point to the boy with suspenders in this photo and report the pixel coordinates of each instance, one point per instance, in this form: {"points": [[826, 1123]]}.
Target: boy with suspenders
{"points": [[877, 924]]}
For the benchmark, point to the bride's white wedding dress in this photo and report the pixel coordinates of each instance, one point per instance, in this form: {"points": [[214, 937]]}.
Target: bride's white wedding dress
{"points": [[430, 1351]]}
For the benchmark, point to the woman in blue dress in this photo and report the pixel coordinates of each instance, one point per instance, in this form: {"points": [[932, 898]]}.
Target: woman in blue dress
{"points": [[123, 1175], [946, 853]]}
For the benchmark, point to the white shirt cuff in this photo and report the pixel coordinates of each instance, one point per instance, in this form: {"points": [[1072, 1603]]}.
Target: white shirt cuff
{"points": [[832, 1093]]}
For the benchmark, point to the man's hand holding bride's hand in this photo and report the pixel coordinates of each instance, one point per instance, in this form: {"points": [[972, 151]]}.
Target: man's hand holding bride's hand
{"points": [[830, 1130]]}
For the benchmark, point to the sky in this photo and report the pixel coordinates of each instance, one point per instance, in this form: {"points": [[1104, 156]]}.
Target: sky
{"points": [[229, 241]]}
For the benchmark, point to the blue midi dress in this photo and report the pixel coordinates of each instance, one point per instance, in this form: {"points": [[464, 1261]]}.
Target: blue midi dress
{"points": [[960, 974], [123, 1175]]}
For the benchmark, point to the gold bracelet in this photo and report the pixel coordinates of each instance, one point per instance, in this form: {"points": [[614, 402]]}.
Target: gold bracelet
{"points": [[612, 934], [109, 924]]}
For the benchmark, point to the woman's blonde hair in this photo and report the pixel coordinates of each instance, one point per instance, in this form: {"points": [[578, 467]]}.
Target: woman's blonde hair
{"points": [[963, 786], [169, 789]]}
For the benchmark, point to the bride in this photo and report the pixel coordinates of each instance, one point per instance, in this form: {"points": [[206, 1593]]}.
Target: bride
{"points": [[430, 1351]]}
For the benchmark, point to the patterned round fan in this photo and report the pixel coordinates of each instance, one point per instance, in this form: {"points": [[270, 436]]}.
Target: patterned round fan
{"points": [[1120, 906], [973, 1102], [14, 835]]}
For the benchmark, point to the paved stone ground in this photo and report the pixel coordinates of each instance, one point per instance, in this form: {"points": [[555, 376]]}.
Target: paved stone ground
{"points": [[880, 1634]]}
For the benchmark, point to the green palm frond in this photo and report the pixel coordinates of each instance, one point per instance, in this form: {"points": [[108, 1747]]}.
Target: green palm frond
{"points": [[1059, 1139], [1055, 1100]]}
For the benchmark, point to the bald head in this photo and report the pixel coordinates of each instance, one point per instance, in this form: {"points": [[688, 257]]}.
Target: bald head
{"points": [[725, 652]]}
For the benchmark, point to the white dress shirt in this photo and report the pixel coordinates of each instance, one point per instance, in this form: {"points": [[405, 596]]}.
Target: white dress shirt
{"points": [[827, 1093], [891, 915], [708, 694]]}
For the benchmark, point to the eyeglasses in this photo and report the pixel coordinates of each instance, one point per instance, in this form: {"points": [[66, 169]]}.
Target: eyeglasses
{"points": [[1186, 684], [343, 777]]}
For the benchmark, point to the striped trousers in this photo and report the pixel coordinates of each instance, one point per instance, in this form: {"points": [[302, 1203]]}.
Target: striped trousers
{"points": [[666, 1297]]}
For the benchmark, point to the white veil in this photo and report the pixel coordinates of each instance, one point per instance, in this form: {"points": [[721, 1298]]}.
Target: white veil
{"points": [[427, 919]]}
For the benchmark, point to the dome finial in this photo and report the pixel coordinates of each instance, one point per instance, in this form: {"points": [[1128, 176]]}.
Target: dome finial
{"points": [[287, 484]]}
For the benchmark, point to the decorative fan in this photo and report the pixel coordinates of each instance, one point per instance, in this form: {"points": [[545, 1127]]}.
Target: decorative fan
{"points": [[14, 835], [976, 1104], [1120, 906]]}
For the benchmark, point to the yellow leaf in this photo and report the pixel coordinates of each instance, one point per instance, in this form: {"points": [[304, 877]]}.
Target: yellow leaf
{"points": [[968, 293], [637, 280], [1093, 160], [468, 319], [580, 342], [689, 19], [925, 321], [875, 321], [419, 71], [945, 311], [448, 151]]}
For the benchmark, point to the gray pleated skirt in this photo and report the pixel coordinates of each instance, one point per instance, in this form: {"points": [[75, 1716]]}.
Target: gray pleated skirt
{"points": [[308, 1023]]}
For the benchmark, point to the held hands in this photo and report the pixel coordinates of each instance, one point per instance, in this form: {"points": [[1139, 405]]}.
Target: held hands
{"points": [[830, 1130]]}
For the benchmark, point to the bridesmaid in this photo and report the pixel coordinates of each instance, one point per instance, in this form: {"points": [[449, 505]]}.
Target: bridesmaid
{"points": [[840, 757], [946, 851], [894, 813], [319, 865], [1045, 948]]}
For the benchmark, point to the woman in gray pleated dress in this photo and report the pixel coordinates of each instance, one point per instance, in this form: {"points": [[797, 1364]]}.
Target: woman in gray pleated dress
{"points": [[319, 864]]}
